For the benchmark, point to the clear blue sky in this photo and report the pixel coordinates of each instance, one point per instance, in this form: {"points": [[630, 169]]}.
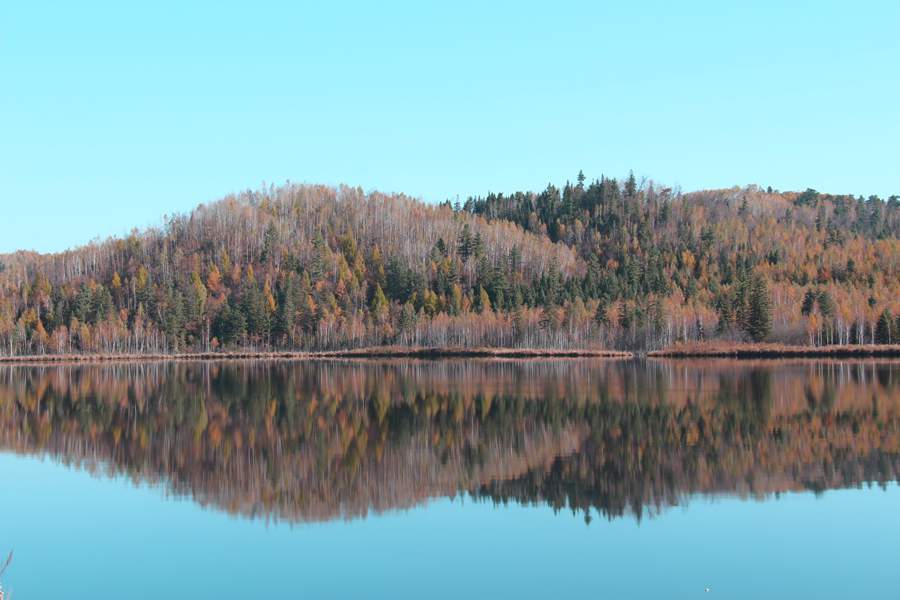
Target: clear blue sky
{"points": [[112, 115]]}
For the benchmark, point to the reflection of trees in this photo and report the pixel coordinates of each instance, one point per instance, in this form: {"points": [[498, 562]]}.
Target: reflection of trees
{"points": [[318, 440], [755, 436]]}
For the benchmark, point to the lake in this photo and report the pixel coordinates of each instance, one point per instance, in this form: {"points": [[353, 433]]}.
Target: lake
{"points": [[566, 478]]}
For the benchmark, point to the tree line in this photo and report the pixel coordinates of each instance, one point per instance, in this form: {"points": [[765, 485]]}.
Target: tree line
{"points": [[627, 265]]}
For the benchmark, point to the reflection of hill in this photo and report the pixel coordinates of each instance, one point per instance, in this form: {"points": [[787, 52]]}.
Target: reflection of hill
{"points": [[319, 440], [728, 427]]}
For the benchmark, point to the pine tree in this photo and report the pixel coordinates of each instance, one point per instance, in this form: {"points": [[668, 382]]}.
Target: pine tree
{"points": [[630, 185], [826, 304], [809, 303], [101, 304], [229, 326], [464, 243], [407, 318], [270, 243], [884, 327], [439, 250], [601, 315], [253, 306], [477, 249], [175, 320], [318, 266], [287, 310], [309, 314], [626, 316], [519, 324], [759, 318]]}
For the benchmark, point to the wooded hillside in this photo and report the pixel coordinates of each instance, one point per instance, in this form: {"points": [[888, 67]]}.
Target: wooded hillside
{"points": [[598, 264]]}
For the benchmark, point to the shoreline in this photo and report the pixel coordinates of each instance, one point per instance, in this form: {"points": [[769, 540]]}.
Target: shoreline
{"points": [[704, 350], [371, 352], [722, 350]]}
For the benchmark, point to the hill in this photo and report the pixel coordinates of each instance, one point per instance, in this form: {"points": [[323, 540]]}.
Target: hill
{"points": [[600, 264]]}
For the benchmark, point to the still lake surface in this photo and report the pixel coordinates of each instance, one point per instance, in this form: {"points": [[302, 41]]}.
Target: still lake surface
{"points": [[451, 479]]}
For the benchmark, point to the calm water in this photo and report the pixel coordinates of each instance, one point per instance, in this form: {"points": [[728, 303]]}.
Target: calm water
{"points": [[451, 479]]}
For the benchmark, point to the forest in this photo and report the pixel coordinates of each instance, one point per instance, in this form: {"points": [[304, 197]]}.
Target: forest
{"points": [[603, 264]]}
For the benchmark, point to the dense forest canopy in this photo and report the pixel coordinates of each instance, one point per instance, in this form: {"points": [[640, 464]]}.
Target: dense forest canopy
{"points": [[593, 264]]}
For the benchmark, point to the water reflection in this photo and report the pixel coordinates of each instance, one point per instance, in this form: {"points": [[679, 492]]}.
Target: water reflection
{"points": [[322, 440]]}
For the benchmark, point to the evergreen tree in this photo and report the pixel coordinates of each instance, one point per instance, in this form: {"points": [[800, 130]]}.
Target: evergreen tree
{"points": [[519, 324], [809, 303], [229, 326], [309, 314], [884, 333], [253, 306], [286, 315], [101, 304], [826, 304], [626, 316], [318, 267], [464, 243], [407, 318], [601, 315], [174, 320], [477, 249], [284, 320], [630, 185], [270, 243], [81, 307], [759, 320]]}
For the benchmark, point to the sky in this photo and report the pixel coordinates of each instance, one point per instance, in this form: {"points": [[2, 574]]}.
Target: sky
{"points": [[113, 114]]}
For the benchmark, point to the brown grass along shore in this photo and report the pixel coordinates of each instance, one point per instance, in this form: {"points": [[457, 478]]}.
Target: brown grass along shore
{"points": [[373, 352], [740, 350], [689, 350]]}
